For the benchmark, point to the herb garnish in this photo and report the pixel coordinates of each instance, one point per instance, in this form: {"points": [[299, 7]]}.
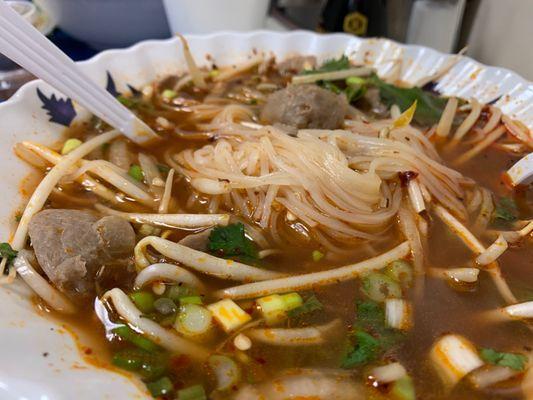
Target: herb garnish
{"points": [[505, 211], [512, 360], [370, 335], [310, 304], [6, 251], [231, 242]]}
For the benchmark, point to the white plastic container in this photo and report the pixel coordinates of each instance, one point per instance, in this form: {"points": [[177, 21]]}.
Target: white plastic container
{"points": [[206, 16]]}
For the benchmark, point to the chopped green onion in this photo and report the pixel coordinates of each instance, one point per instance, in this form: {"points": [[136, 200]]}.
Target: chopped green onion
{"points": [[128, 334], [162, 387], [176, 292], [403, 389], [144, 301], [195, 392], [317, 255], [169, 94], [165, 306], [292, 301], [193, 320], [379, 287], [128, 359], [355, 80], [401, 271], [151, 365], [214, 72], [126, 101], [136, 172], [191, 300], [70, 145]]}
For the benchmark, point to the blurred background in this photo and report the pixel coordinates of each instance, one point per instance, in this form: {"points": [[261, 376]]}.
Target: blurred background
{"points": [[496, 32]]}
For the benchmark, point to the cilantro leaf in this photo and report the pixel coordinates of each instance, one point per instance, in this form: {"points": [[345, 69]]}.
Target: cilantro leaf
{"points": [[6, 251], [231, 242], [366, 349], [505, 211], [331, 65], [370, 324], [512, 360], [311, 304], [429, 108], [369, 315]]}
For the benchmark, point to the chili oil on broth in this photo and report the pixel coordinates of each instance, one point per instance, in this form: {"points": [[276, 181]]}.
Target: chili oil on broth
{"points": [[438, 310]]}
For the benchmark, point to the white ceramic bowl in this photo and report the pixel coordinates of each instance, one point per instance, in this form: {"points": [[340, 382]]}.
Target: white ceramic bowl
{"points": [[25, 336]]}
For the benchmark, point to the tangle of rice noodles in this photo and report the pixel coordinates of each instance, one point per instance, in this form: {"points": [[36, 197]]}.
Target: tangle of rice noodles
{"points": [[343, 183]]}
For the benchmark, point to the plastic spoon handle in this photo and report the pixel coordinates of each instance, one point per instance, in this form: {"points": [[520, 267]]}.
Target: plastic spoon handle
{"points": [[25, 45]]}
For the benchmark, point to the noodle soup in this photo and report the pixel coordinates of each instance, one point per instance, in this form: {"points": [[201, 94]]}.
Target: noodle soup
{"points": [[300, 231]]}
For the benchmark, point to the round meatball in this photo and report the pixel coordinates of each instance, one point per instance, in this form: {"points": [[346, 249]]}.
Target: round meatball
{"points": [[72, 245], [305, 106]]}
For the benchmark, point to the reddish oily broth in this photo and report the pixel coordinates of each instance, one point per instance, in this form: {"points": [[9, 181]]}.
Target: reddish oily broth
{"points": [[439, 306]]}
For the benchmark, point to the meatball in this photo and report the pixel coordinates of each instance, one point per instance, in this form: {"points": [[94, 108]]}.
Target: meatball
{"points": [[71, 246], [305, 106]]}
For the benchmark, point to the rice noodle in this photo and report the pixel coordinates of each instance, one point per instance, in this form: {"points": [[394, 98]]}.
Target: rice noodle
{"points": [[315, 279], [165, 200], [308, 336], [467, 124], [151, 175], [234, 70], [118, 178], [480, 146], [184, 221], [491, 375], [168, 273], [197, 76], [409, 229], [415, 195], [519, 131], [200, 261], [475, 245], [331, 76], [446, 120], [494, 120], [345, 183], [161, 336], [494, 251], [89, 183], [40, 286], [120, 155], [485, 211], [515, 236]]}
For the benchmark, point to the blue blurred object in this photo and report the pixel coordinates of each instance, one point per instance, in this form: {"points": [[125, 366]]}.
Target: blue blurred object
{"points": [[105, 24], [75, 49]]}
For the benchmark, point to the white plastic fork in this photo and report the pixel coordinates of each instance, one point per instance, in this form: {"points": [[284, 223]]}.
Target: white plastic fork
{"points": [[25, 45]]}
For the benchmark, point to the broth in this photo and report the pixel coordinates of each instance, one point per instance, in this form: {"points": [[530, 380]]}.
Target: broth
{"points": [[439, 306]]}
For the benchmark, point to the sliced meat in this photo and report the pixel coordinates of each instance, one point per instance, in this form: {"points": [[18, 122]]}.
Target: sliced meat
{"points": [[72, 245], [305, 106], [295, 65], [305, 384]]}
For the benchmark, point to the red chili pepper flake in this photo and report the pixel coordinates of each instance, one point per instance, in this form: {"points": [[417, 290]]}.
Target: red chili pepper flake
{"points": [[88, 351], [406, 177], [260, 360]]}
